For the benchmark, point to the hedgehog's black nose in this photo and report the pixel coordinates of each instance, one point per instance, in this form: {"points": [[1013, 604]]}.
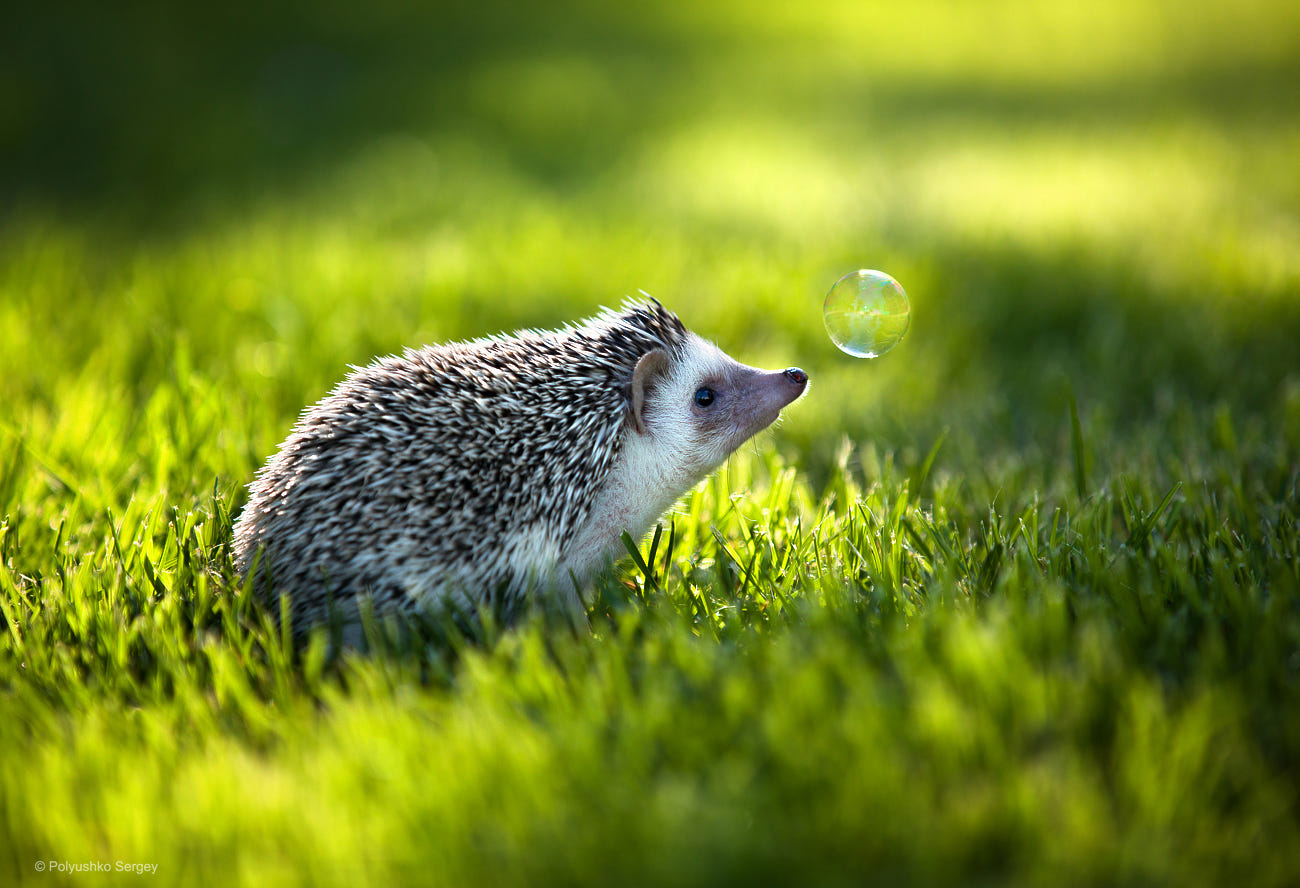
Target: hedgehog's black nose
{"points": [[797, 376]]}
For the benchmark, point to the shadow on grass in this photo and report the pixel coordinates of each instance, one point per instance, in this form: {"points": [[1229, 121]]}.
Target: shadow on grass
{"points": [[1011, 334], [140, 109]]}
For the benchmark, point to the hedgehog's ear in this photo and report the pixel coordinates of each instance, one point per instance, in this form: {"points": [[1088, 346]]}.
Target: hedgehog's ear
{"points": [[652, 366]]}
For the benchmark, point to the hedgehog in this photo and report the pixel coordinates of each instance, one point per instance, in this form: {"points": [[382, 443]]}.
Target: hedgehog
{"points": [[496, 471]]}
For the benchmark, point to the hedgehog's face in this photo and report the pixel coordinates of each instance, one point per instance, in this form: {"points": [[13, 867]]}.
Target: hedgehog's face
{"points": [[698, 405]]}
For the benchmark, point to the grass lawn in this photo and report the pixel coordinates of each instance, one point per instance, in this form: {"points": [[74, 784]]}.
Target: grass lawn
{"points": [[1016, 604]]}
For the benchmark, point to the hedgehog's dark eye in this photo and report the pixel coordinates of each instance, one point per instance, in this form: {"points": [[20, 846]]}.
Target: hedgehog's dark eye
{"points": [[704, 397]]}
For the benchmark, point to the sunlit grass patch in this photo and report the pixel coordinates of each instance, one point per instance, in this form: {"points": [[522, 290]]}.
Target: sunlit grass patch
{"points": [[1015, 604]]}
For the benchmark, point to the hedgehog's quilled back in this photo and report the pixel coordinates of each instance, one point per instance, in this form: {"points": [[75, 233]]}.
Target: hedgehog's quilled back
{"points": [[480, 473]]}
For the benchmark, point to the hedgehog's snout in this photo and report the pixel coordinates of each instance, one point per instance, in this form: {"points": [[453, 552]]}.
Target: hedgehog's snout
{"points": [[791, 383], [796, 379]]}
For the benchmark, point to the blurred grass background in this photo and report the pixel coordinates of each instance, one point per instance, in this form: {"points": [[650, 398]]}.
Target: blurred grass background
{"points": [[1101, 199], [207, 213]]}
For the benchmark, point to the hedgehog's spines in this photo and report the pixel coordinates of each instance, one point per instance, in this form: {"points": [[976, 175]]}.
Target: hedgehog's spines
{"points": [[502, 441]]}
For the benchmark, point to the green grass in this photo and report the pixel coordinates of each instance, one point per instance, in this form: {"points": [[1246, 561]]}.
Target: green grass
{"points": [[1018, 603]]}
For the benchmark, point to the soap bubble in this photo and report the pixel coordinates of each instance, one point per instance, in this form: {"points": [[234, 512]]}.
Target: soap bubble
{"points": [[866, 313]]}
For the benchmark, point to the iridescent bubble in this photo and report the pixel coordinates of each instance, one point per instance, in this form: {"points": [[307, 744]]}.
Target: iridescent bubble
{"points": [[866, 313]]}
